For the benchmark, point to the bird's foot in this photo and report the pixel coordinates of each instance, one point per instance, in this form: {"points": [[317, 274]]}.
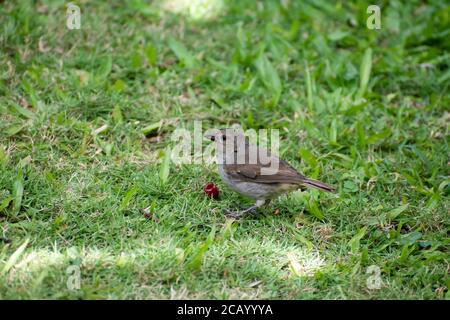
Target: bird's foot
{"points": [[239, 214], [232, 214]]}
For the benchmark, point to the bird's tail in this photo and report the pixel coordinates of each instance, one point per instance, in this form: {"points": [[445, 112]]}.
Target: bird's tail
{"points": [[318, 185]]}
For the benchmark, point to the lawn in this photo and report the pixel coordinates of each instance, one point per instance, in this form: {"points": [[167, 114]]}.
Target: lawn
{"points": [[91, 207]]}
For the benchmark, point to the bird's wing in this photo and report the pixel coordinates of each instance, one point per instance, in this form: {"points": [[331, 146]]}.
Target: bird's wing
{"points": [[248, 171], [283, 173], [252, 173]]}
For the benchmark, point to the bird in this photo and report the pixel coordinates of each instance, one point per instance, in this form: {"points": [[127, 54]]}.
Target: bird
{"points": [[261, 178]]}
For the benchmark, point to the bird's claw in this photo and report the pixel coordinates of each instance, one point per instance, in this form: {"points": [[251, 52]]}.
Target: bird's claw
{"points": [[240, 214], [232, 214]]}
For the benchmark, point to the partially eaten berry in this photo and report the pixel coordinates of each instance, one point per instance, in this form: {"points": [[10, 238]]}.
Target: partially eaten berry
{"points": [[211, 190]]}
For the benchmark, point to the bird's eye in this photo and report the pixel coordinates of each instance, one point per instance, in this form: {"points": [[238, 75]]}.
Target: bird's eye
{"points": [[213, 138], [224, 138]]}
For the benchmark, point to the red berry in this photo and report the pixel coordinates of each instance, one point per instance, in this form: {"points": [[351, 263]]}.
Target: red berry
{"points": [[211, 190]]}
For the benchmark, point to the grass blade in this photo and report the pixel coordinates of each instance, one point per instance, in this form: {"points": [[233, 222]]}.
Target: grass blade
{"points": [[5, 203], [269, 77], [366, 67], [14, 257], [152, 128], [105, 68], [195, 262], [18, 192], [23, 111], [13, 130], [355, 241], [151, 54], [165, 166], [333, 132], [117, 114], [396, 212], [308, 157], [314, 209], [181, 52], [309, 90], [126, 200]]}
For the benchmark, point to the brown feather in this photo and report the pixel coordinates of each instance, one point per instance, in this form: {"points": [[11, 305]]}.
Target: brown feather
{"points": [[251, 172]]}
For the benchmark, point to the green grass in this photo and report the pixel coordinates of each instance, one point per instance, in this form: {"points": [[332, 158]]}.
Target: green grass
{"points": [[364, 110]]}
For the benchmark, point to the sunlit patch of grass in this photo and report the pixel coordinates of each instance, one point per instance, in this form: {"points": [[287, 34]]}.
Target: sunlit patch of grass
{"points": [[197, 10], [302, 264]]}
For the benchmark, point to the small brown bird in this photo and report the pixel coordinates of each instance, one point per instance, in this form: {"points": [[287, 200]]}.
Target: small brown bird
{"points": [[254, 172]]}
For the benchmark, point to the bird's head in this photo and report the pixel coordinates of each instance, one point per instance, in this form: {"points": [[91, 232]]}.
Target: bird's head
{"points": [[222, 135], [228, 141]]}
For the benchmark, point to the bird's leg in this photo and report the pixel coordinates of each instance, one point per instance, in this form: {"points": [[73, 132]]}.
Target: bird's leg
{"points": [[240, 214]]}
